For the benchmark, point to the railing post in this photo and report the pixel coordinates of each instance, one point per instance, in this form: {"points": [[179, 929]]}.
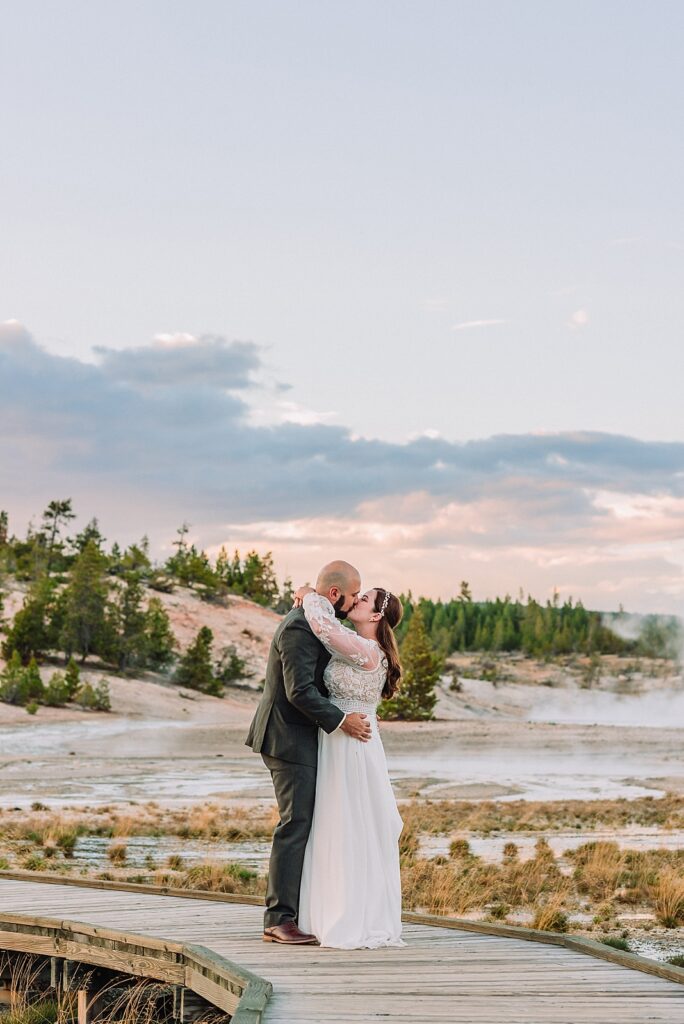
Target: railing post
{"points": [[88, 1006], [55, 972]]}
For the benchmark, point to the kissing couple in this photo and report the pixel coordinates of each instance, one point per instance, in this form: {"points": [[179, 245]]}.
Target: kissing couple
{"points": [[333, 876]]}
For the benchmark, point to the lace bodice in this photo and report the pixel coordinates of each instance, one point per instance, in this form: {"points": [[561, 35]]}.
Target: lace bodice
{"points": [[357, 671]]}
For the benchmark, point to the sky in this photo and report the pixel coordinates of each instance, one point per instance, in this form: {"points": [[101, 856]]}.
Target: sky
{"points": [[397, 282]]}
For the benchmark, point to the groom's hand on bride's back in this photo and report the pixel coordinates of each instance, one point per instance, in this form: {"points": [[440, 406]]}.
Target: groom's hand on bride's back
{"points": [[357, 725]]}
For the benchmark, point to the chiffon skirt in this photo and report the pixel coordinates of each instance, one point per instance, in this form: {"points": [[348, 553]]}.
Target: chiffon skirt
{"points": [[350, 894]]}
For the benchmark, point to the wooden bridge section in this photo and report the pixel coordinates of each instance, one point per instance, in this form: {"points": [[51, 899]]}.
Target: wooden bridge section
{"points": [[443, 974]]}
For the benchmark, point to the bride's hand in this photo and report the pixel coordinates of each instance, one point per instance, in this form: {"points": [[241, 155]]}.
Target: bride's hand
{"points": [[300, 593]]}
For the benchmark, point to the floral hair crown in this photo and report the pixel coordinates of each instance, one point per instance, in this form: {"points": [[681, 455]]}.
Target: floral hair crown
{"points": [[385, 603]]}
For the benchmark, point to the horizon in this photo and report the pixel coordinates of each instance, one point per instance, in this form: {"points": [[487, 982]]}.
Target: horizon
{"points": [[162, 552]]}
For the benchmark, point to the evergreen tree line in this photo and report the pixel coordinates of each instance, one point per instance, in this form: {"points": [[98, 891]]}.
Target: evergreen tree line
{"points": [[91, 615], [49, 551], [538, 630], [87, 601], [90, 604]]}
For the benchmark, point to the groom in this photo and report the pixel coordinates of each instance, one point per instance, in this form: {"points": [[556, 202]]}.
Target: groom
{"points": [[293, 707]]}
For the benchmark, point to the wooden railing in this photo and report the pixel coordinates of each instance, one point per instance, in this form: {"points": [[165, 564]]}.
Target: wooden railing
{"points": [[222, 983]]}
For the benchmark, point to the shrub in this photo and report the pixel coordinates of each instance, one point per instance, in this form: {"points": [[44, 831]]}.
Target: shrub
{"points": [[34, 862], [231, 667], [18, 684], [510, 853], [499, 911], [617, 942], [95, 698], [459, 848], [44, 1012], [102, 698], [57, 691]]}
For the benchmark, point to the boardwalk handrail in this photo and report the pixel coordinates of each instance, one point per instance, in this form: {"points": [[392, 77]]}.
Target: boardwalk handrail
{"points": [[220, 981], [578, 944]]}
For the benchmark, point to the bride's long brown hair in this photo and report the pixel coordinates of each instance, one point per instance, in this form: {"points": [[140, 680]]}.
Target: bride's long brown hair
{"points": [[388, 623]]}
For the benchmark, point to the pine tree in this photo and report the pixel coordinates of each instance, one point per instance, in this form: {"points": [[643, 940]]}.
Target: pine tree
{"points": [[84, 628], [35, 688], [57, 513], [72, 679], [130, 641], [416, 697], [284, 602], [222, 566], [259, 579], [195, 667], [160, 641], [30, 632], [90, 532]]}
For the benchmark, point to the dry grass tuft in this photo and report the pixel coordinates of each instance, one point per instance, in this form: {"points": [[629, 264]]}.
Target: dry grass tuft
{"points": [[218, 877], [668, 899], [488, 816], [599, 868], [551, 917], [117, 853]]}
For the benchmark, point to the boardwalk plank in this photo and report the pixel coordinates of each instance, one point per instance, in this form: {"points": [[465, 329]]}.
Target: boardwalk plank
{"points": [[442, 975]]}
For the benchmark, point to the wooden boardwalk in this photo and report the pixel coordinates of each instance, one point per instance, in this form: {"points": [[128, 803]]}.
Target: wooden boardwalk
{"points": [[442, 975]]}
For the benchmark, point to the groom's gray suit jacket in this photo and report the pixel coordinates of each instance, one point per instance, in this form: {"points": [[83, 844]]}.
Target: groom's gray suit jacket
{"points": [[294, 704]]}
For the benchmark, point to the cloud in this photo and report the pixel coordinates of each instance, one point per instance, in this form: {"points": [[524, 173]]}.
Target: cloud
{"points": [[182, 360], [275, 411], [580, 318], [152, 435], [476, 323]]}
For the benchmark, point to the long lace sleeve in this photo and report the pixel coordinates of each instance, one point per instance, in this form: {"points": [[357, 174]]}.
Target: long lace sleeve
{"points": [[338, 639]]}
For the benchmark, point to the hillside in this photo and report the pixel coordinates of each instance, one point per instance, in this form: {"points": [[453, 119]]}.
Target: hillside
{"points": [[241, 623]]}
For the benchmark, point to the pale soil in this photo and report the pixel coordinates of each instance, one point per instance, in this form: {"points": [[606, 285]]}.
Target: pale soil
{"points": [[240, 623], [518, 737]]}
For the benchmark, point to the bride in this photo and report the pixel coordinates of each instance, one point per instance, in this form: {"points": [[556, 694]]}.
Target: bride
{"points": [[350, 894]]}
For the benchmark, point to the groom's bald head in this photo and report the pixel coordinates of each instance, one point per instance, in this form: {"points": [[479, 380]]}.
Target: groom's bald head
{"points": [[340, 582]]}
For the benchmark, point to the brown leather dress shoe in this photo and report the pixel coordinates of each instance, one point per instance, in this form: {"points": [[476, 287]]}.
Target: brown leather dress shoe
{"points": [[290, 934]]}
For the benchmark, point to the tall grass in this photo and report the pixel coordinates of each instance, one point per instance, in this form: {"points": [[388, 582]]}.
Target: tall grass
{"points": [[134, 1003], [669, 899]]}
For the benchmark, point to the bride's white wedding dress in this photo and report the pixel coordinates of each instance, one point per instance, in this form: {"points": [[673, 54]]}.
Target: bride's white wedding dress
{"points": [[350, 894]]}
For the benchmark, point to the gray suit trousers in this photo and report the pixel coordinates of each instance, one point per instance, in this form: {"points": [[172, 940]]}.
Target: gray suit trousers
{"points": [[295, 790]]}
